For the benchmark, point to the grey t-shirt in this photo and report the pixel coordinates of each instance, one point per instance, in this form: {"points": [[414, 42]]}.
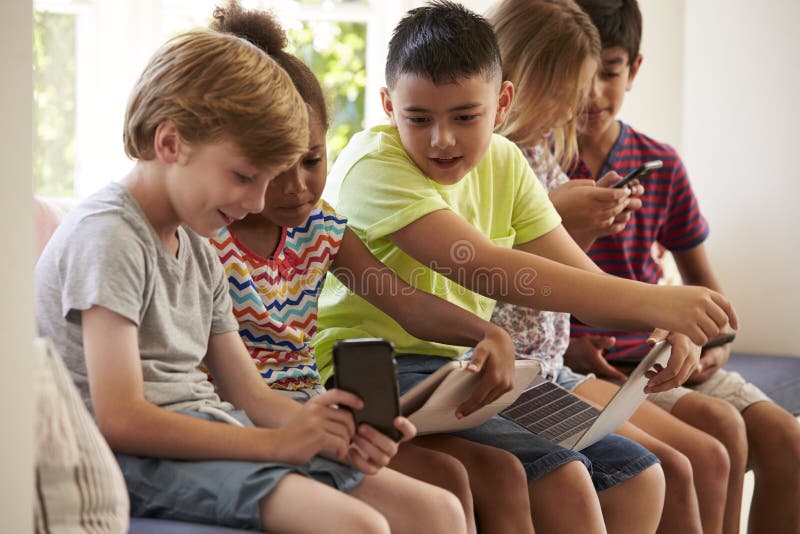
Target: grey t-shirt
{"points": [[105, 253]]}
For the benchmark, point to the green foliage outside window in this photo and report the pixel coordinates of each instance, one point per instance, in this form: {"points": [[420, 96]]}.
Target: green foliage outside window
{"points": [[54, 103], [336, 52]]}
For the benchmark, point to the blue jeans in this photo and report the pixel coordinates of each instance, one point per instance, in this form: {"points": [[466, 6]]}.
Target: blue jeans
{"points": [[609, 461], [217, 492]]}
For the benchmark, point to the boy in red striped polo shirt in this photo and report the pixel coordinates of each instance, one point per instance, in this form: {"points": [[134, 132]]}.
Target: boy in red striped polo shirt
{"points": [[757, 432]]}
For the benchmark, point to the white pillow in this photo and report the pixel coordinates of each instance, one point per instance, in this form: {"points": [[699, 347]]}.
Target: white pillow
{"points": [[79, 486]]}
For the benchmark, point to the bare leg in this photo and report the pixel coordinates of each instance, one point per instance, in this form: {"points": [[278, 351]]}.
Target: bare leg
{"points": [[412, 506], [439, 469], [497, 481], [286, 509], [681, 510], [720, 419], [564, 500], [695, 493], [635, 505], [774, 437]]}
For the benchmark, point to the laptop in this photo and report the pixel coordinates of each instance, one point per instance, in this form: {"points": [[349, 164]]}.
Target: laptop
{"points": [[552, 412]]}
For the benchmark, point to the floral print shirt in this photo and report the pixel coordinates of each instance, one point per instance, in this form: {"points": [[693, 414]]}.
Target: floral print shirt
{"points": [[539, 335]]}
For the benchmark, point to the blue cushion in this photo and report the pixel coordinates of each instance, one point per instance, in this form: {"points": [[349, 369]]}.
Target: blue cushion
{"points": [[141, 525], [777, 376]]}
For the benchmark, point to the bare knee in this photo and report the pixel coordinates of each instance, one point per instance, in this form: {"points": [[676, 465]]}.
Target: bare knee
{"points": [[678, 471], [368, 520], [503, 471], [725, 423], [455, 478], [649, 485], [570, 485], [714, 462], [444, 511], [777, 448]]}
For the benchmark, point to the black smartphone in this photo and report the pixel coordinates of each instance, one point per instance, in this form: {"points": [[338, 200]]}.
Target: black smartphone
{"points": [[720, 340], [639, 172], [366, 367]]}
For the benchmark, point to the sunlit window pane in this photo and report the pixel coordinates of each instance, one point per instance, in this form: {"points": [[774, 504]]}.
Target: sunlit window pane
{"points": [[54, 103]]}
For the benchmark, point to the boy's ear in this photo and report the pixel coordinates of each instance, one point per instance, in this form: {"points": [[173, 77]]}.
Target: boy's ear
{"points": [[504, 101], [388, 108], [167, 143], [633, 71]]}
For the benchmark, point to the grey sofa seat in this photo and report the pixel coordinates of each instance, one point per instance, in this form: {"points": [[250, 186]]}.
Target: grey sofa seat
{"points": [[162, 526], [777, 376]]}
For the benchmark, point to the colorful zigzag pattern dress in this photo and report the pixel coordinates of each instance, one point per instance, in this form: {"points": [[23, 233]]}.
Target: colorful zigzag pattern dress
{"points": [[275, 299]]}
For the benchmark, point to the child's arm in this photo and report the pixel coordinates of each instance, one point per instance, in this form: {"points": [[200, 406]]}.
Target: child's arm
{"points": [[239, 382], [133, 425], [541, 283], [695, 269], [683, 358], [428, 317], [590, 210]]}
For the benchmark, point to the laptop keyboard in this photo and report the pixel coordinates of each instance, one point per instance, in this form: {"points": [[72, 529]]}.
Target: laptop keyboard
{"points": [[551, 412]]}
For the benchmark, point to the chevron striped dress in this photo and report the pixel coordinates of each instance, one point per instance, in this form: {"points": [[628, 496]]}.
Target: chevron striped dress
{"points": [[275, 299]]}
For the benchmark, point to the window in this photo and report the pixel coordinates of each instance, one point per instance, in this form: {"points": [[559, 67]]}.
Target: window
{"points": [[88, 54], [54, 103]]}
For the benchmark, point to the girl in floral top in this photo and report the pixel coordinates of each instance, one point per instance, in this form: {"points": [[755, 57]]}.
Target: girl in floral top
{"points": [[534, 35]]}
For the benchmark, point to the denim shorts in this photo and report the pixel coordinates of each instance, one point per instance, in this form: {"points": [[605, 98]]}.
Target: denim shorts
{"points": [[569, 379], [217, 492], [609, 461]]}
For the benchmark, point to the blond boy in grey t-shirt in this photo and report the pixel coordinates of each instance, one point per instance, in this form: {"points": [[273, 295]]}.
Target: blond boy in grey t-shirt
{"points": [[135, 299]]}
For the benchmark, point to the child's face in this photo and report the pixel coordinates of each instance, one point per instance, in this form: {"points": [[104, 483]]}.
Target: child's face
{"points": [[212, 185], [446, 129], [293, 193], [613, 79]]}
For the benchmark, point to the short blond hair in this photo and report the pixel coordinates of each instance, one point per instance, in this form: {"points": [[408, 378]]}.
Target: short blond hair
{"points": [[217, 87], [544, 45]]}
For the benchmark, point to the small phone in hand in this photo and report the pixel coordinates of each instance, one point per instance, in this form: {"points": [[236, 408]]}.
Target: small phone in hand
{"points": [[720, 340], [640, 172], [366, 368]]}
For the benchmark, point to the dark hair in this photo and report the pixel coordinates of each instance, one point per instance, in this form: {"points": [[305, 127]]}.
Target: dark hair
{"points": [[261, 29], [619, 23], [442, 41]]}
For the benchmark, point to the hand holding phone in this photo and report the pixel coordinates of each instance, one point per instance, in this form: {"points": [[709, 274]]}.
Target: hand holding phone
{"points": [[720, 340], [640, 172], [366, 367]]}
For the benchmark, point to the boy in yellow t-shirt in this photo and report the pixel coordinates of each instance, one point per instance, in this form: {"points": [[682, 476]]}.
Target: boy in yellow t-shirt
{"points": [[456, 211]]}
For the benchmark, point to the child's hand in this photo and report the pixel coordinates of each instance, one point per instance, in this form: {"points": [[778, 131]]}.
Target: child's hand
{"points": [[695, 311], [370, 450], [320, 427], [493, 357], [588, 209], [682, 362], [585, 355], [710, 360], [636, 191]]}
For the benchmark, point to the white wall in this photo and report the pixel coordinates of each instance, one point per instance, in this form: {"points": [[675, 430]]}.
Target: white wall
{"points": [[655, 103], [740, 137], [720, 82], [16, 285]]}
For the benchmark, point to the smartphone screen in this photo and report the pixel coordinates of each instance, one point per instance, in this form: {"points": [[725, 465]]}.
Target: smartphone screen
{"points": [[366, 367], [639, 172]]}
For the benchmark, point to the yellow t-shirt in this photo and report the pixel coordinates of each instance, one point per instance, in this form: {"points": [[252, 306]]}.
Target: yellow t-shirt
{"points": [[381, 191]]}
